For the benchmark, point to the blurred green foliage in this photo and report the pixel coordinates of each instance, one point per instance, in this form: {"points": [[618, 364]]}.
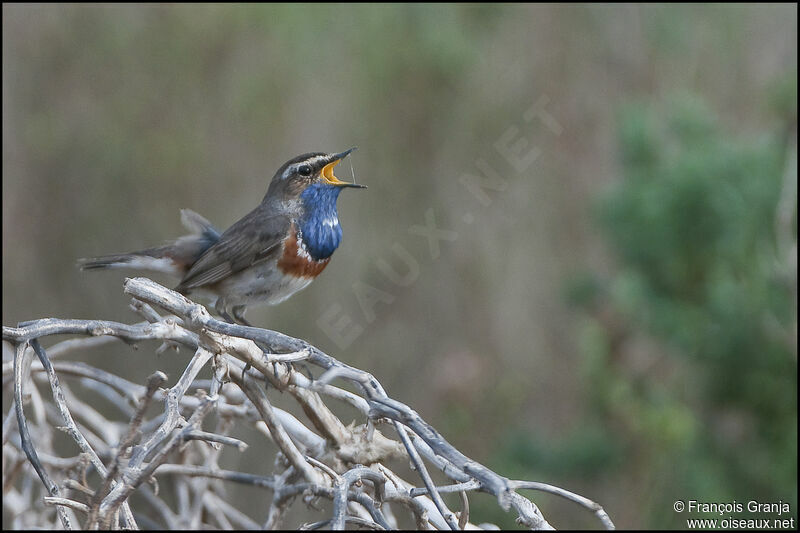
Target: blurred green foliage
{"points": [[700, 272], [693, 225], [701, 275]]}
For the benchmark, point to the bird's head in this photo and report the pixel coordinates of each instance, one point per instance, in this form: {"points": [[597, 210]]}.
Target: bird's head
{"points": [[314, 169]]}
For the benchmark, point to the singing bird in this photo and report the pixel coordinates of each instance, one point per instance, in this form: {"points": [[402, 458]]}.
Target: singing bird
{"points": [[272, 252]]}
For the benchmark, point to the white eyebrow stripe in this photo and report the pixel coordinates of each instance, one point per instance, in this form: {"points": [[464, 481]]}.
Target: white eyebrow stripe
{"points": [[296, 166]]}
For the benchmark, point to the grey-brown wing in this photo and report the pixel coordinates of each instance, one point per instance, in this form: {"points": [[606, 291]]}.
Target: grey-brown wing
{"points": [[254, 238]]}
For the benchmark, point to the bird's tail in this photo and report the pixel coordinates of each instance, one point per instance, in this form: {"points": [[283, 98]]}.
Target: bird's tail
{"points": [[155, 259], [174, 258]]}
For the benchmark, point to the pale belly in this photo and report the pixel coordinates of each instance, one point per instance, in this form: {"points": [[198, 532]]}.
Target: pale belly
{"points": [[269, 283], [258, 286]]}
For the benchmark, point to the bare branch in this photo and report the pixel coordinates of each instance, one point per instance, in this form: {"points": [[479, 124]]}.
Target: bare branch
{"points": [[27, 443], [319, 456]]}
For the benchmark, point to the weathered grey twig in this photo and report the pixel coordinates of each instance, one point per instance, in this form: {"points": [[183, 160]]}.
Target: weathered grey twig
{"points": [[233, 514], [279, 435], [458, 487], [213, 437], [153, 383], [226, 475], [66, 502], [120, 493], [368, 524], [319, 456], [170, 519], [27, 443], [463, 516], [426, 478], [117, 497], [595, 508], [341, 487]]}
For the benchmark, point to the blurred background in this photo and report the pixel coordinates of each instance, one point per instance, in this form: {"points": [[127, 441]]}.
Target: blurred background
{"points": [[609, 300]]}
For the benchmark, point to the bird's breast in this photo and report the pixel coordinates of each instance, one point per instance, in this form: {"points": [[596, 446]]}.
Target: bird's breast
{"points": [[296, 259]]}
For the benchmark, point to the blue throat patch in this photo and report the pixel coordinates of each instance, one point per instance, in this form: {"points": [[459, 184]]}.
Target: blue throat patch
{"points": [[319, 224]]}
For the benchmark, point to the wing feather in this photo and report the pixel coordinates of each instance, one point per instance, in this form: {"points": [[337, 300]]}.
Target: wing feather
{"points": [[254, 238]]}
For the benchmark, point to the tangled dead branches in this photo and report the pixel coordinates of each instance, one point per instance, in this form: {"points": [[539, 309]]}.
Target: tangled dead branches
{"points": [[319, 460]]}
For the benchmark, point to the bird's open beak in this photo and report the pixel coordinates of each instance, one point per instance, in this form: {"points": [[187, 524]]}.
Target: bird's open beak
{"points": [[330, 179]]}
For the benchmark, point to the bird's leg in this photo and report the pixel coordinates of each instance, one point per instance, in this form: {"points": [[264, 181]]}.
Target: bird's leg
{"points": [[305, 370], [238, 318], [219, 307], [238, 314], [247, 366]]}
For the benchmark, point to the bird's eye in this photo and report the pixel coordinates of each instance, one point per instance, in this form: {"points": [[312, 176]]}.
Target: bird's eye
{"points": [[304, 170]]}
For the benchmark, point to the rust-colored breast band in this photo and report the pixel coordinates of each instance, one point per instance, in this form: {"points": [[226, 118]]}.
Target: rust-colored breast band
{"points": [[295, 261]]}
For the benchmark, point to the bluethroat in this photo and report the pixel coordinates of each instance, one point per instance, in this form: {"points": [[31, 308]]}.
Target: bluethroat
{"points": [[272, 252]]}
